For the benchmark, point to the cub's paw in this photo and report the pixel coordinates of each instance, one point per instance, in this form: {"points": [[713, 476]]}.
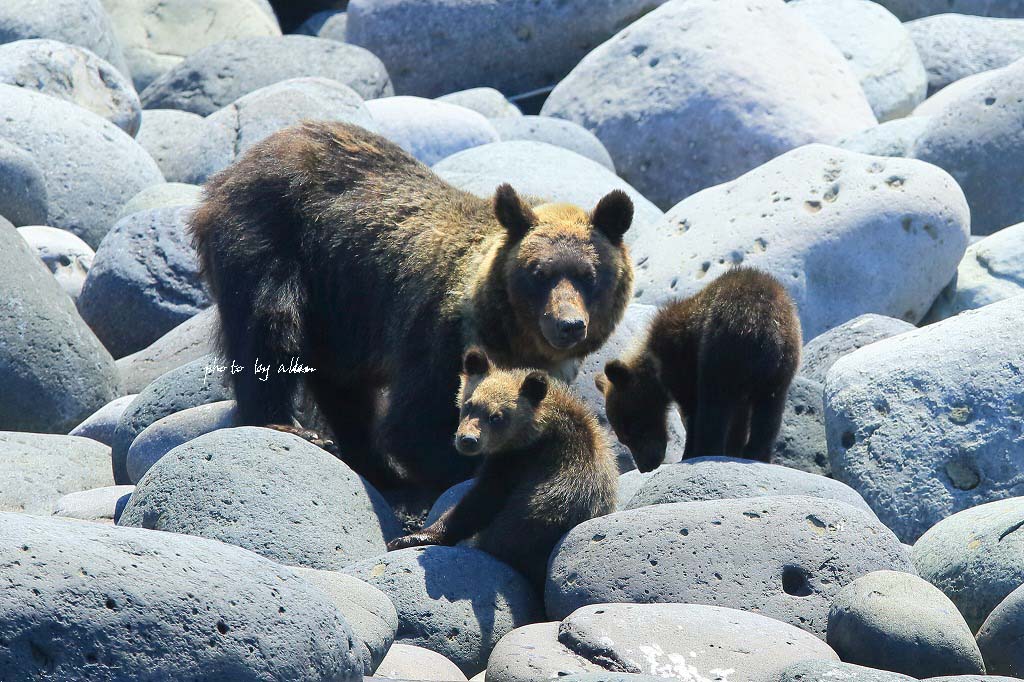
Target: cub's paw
{"points": [[413, 540], [307, 434]]}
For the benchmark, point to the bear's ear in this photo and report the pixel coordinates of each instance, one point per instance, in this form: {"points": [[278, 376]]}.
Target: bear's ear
{"points": [[475, 362], [515, 216], [601, 382], [613, 215], [535, 387], [617, 372]]}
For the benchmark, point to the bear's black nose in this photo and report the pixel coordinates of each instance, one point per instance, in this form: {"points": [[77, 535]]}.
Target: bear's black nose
{"points": [[468, 443], [572, 329]]}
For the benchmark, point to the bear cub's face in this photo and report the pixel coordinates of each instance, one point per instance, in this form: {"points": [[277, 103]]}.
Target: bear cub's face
{"points": [[565, 265], [497, 407], [636, 413]]}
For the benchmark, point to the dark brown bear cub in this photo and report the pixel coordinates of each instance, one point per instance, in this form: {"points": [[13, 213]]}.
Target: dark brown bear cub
{"points": [[547, 467], [330, 244], [725, 356]]}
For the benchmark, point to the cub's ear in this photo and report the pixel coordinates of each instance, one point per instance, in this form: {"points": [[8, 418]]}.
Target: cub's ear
{"points": [[617, 372], [475, 362], [515, 216], [601, 381], [535, 387], [613, 215]]}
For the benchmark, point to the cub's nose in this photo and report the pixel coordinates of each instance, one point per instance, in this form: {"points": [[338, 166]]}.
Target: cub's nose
{"points": [[467, 444]]}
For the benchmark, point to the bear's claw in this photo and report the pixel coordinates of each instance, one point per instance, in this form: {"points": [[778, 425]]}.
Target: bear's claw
{"points": [[309, 435]]}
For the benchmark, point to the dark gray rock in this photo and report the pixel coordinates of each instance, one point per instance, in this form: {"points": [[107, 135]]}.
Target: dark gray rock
{"points": [[715, 553], [892, 138], [407, 662], [430, 130], [801, 443], [823, 350], [456, 601], [97, 504], [448, 499], [899, 622], [38, 469], [53, 370], [954, 46], [219, 74], [185, 145], [66, 256], [915, 9], [556, 131], [312, 25], [109, 602], [190, 340], [23, 198], [487, 101], [268, 491], [165, 434], [833, 671], [144, 281], [1001, 634], [100, 425]]}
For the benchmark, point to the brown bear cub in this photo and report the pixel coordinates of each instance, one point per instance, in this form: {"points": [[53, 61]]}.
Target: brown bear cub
{"points": [[330, 244], [725, 357], [547, 467]]}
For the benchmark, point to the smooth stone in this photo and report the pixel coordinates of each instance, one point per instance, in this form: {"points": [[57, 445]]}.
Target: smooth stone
{"points": [[629, 483], [821, 220], [801, 443], [972, 678], [407, 662], [75, 75], [53, 370], [456, 601], [534, 652], [900, 622], [610, 677], [556, 131], [824, 350], [973, 556], [165, 434], [915, 9], [98, 504], [66, 256], [87, 181], [892, 138], [951, 93], [448, 499], [312, 25], [270, 492], [944, 404], [879, 49], [39, 469], [119, 603], [217, 75], [486, 101], [720, 88], [650, 554], [1001, 634], [23, 198], [100, 425], [163, 195], [954, 46], [430, 130], [190, 340], [834, 671], [186, 146], [335, 27], [292, 13]]}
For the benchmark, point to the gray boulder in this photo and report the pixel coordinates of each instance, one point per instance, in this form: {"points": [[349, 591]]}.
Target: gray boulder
{"points": [[89, 165], [721, 88], [73, 74], [952, 92], [486, 101], [53, 369], [190, 340], [915, 9], [186, 146], [892, 138], [314, 22], [162, 195], [132, 604], [448, 499], [100, 425], [899, 622], [407, 662], [833, 671], [430, 130], [801, 443], [954, 46], [335, 27], [217, 75], [38, 469], [1001, 635], [556, 131], [268, 491], [23, 199], [165, 434], [651, 554], [944, 406], [629, 483], [101, 505], [824, 350], [456, 601], [66, 256]]}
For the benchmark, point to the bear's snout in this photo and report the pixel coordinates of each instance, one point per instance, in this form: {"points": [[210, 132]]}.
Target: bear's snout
{"points": [[564, 323]]}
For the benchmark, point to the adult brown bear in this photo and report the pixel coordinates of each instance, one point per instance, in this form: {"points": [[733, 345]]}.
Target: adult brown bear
{"points": [[330, 244]]}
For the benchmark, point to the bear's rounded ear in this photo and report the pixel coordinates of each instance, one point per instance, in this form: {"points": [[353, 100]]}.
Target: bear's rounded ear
{"points": [[515, 216], [535, 387], [475, 362], [617, 372], [613, 215], [601, 382]]}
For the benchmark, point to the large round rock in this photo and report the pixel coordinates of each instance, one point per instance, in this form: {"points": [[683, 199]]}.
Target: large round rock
{"points": [[165, 434], [64, 254], [23, 198], [267, 491], [834, 671], [430, 130], [845, 233], [38, 469], [824, 350], [83, 600], [955, 46], [453, 600], [719, 87], [929, 422], [892, 138], [100, 425], [556, 131], [1001, 635], [801, 443], [186, 146], [715, 553], [190, 340]]}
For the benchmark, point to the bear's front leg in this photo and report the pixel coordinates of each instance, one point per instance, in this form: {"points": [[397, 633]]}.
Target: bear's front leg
{"points": [[424, 537], [306, 434]]}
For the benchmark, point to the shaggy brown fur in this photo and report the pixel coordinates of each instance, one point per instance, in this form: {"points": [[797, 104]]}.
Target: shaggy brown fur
{"points": [[547, 467], [331, 244], [725, 356]]}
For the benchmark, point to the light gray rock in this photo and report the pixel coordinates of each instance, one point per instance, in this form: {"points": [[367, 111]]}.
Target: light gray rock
{"points": [[23, 199], [678, 641], [1001, 634], [879, 49], [954, 46], [824, 350], [65, 255], [928, 423], [974, 556], [915, 9], [109, 601], [555, 131], [433, 47], [456, 601], [845, 233], [98, 504], [38, 469], [486, 101], [721, 88], [992, 269], [53, 370], [186, 146], [156, 35], [833, 671], [165, 434], [144, 281], [899, 622], [100, 425], [892, 138], [268, 491], [162, 195], [73, 74], [973, 678], [629, 483], [610, 677], [715, 553], [335, 27], [430, 130], [979, 140], [952, 92], [190, 340], [89, 165], [801, 443], [407, 662], [217, 75], [546, 171]]}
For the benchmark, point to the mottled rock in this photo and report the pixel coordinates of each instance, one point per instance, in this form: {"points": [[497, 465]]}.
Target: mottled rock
{"points": [[186, 146], [954, 46], [162, 195], [38, 469], [833, 671], [951, 93], [824, 350], [430, 130], [407, 662], [335, 27], [100, 425], [486, 101], [629, 483], [65, 255], [190, 340], [801, 443], [23, 199], [892, 138], [165, 434], [98, 504], [1001, 635], [556, 131]]}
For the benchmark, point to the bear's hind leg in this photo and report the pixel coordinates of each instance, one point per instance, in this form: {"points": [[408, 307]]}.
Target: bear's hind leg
{"points": [[765, 423], [739, 429]]}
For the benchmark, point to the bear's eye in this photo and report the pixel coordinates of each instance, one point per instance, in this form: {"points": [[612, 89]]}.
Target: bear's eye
{"points": [[496, 418]]}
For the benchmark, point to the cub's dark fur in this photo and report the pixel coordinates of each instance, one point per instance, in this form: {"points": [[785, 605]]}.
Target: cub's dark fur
{"points": [[328, 243], [725, 356], [547, 467]]}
